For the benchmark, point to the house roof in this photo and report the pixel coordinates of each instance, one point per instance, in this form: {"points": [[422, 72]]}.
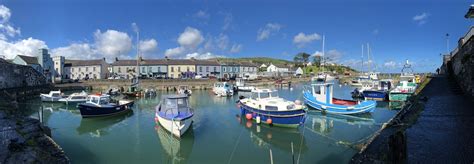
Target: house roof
{"points": [[69, 63], [165, 62], [281, 65], [248, 64], [29, 59]]}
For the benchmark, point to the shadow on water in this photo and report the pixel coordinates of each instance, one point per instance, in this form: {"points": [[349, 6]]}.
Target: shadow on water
{"points": [[98, 126], [177, 150]]}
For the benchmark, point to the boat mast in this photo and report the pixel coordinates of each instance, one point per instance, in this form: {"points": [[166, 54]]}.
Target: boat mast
{"points": [[362, 58], [138, 55], [368, 58], [324, 60]]}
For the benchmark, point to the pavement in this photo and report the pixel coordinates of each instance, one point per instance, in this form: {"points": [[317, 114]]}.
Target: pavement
{"points": [[444, 131]]}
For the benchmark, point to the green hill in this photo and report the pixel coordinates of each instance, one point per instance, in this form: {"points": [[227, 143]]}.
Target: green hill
{"points": [[258, 60]]}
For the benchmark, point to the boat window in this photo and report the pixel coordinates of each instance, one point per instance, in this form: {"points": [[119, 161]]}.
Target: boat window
{"points": [[95, 100], [77, 97], [264, 95], [170, 103], [268, 107], [55, 94], [182, 103], [104, 101], [292, 106]]}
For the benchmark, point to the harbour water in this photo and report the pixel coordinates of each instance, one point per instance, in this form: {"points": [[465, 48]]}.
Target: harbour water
{"points": [[218, 133]]}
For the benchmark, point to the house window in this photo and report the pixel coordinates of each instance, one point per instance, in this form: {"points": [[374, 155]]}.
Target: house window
{"points": [[87, 69], [143, 70], [79, 69], [223, 68], [235, 69], [187, 69], [207, 69], [119, 70], [179, 69], [200, 69], [149, 69], [93, 68], [72, 69], [172, 70], [159, 69]]}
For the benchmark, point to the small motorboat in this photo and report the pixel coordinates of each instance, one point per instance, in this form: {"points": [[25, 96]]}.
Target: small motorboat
{"points": [[75, 98], [379, 92], [240, 84], [320, 97], [101, 105], [323, 77], [223, 89], [184, 89], [265, 106], [406, 86], [52, 96], [149, 92], [174, 114]]}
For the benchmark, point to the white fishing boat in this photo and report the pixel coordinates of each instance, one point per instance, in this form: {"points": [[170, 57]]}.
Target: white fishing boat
{"points": [[174, 114], [323, 77], [265, 106], [52, 96], [223, 89], [75, 98], [240, 84]]}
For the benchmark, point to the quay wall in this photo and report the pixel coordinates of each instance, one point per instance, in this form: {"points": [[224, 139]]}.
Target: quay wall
{"points": [[14, 76], [459, 64]]}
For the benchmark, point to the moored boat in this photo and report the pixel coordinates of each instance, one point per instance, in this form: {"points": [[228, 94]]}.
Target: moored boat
{"points": [[184, 89], [406, 86], [52, 96], [174, 114], [223, 89], [320, 97], [101, 105], [75, 98], [379, 91], [265, 106], [240, 84]]}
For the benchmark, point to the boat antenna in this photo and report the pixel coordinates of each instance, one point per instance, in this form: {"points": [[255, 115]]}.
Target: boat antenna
{"points": [[362, 57], [368, 58], [135, 28], [324, 60]]}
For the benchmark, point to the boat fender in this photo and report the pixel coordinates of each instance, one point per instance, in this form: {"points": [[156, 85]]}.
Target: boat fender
{"points": [[248, 116], [156, 119], [269, 121], [258, 119]]}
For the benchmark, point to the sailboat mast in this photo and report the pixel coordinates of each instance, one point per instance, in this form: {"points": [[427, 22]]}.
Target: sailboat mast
{"points": [[138, 55], [324, 60], [368, 58], [362, 58]]}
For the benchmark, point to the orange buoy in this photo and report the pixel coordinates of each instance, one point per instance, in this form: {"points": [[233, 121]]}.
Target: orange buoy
{"points": [[248, 116], [269, 121]]}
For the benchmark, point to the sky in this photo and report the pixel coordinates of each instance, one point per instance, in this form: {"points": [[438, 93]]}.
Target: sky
{"points": [[396, 31]]}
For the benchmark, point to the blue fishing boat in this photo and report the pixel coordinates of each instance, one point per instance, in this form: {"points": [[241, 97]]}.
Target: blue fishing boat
{"points": [[265, 106], [320, 97], [102, 105]]}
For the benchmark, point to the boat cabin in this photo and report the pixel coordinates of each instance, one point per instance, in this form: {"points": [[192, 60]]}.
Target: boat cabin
{"points": [[263, 93], [55, 94], [222, 85], [322, 92], [98, 100], [175, 105]]}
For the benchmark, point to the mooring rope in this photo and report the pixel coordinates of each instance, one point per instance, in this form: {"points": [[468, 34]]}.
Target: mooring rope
{"points": [[235, 146]]}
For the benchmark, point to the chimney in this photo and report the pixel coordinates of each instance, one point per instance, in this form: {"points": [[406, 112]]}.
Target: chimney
{"points": [[116, 59], [103, 59]]}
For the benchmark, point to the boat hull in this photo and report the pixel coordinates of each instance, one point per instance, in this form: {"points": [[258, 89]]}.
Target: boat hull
{"points": [[375, 95], [94, 111], [46, 98], [364, 107], [176, 127], [395, 96], [292, 118]]}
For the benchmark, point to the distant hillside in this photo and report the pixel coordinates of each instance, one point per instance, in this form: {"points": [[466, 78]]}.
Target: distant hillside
{"points": [[258, 60]]}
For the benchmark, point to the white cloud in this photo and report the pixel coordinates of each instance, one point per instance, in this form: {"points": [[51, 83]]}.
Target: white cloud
{"points": [[76, 51], [148, 46], [202, 15], [112, 43], [421, 19], [267, 31], [333, 56], [390, 64], [190, 38], [207, 55], [174, 51], [222, 41], [6, 29], [236, 48], [301, 39], [228, 18], [28, 47]]}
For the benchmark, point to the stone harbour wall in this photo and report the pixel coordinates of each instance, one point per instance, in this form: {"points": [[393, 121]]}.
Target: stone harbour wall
{"points": [[13, 76], [462, 66]]}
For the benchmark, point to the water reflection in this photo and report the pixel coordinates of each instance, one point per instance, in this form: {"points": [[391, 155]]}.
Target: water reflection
{"points": [[177, 150], [97, 127], [324, 123], [267, 137]]}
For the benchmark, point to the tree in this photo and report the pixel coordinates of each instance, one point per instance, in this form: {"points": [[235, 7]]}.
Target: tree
{"points": [[317, 60], [301, 58]]}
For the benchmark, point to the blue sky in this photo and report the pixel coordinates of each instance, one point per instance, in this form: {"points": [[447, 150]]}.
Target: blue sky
{"points": [[396, 30]]}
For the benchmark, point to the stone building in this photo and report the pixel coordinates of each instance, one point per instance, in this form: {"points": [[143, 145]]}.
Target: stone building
{"points": [[41, 62]]}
